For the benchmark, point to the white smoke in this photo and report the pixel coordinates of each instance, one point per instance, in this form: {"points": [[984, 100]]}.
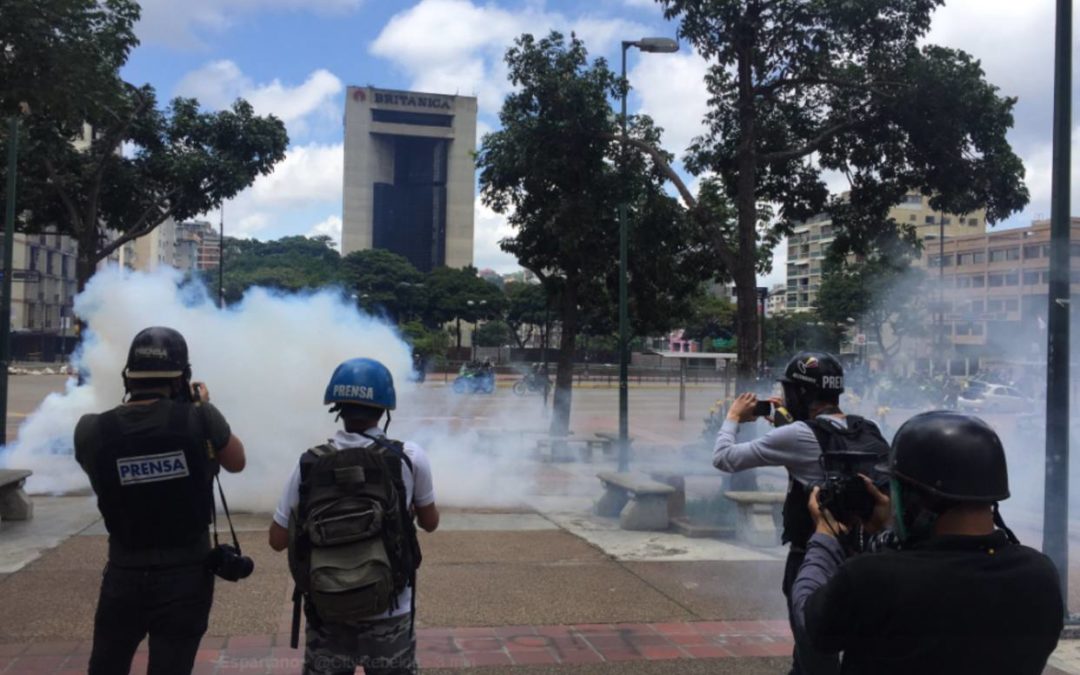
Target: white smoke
{"points": [[266, 362]]}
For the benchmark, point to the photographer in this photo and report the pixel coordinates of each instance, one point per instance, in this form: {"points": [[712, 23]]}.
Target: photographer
{"points": [[151, 461], [812, 384], [960, 594]]}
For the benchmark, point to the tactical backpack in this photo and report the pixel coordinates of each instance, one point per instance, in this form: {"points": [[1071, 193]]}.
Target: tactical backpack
{"points": [[352, 542], [858, 436]]}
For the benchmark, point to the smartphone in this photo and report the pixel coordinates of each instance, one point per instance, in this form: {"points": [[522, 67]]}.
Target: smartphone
{"points": [[762, 408]]}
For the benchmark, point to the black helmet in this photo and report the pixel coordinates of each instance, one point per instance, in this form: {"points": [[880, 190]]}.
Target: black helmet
{"points": [[157, 353], [950, 455], [815, 370]]}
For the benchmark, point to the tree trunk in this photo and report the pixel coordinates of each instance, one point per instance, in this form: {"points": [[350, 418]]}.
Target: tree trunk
{"points": [[564, 374], [745, 273]]}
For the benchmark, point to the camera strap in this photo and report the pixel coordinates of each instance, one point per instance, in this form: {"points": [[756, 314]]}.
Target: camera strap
{"points": [[225, 507]]}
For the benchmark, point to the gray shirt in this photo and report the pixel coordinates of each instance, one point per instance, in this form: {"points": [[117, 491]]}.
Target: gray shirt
{"points": [[792, 446]]}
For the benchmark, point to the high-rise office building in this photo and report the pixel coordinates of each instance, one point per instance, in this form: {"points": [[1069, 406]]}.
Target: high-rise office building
{"points": [[409, 179]]}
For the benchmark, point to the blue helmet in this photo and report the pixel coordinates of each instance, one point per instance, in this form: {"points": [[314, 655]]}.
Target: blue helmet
{"points": [[361, 382]]}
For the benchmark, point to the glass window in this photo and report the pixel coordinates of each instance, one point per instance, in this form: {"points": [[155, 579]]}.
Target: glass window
{"points": [[1074, 250], [996, 280], [1031, 278], [930, 220], [32, 260], [977, 306], [1032, 251], [963, 282], [972, 222], [1012, 305], [1012, 278], [913, 218], [945, 220], [976, 329], [978, 281], [1012, 253], [997, 255], [913, 199], [993, 305]]}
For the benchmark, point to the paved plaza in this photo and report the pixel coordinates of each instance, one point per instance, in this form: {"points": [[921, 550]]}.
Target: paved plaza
{"points": [[534, 585]]}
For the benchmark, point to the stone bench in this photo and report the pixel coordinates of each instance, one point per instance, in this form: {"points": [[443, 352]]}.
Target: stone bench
{"points": [[760, 517], [15, 504], [639, 502]]}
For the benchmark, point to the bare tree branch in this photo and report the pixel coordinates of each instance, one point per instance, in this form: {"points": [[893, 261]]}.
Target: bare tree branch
{"points": [[109, 146], [58, 185], [807, 148]]}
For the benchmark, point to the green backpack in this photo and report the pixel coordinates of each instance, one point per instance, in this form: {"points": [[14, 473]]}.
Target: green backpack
{"points": [[352, 542]]}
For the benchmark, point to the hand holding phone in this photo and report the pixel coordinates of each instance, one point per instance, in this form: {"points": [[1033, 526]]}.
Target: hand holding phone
{"points": [[763, 409]]}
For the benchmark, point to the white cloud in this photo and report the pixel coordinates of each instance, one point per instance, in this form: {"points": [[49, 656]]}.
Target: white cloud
{"points": [[219, 83], [455, 46], [178, 23], [671, 88], [331, 227], [488, 229], [309, 173], [310, 177]]}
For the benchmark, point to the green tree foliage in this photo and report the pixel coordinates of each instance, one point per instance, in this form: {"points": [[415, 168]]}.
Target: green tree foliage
{"points": [[791, 332], [103, 157], [799, 88], [456, 295], [527, 310], [289, 264], [713, 318], [50, 50], [880, 295], [492, 334], [386, 282], [430, 344], [555, 167]]}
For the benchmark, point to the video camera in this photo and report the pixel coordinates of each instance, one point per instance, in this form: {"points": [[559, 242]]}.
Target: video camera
{"points": [[843, 492]]}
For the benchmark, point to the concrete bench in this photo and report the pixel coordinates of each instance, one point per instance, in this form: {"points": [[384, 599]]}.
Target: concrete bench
{"points": [[639, 502], [15, 504], [760, 517]]}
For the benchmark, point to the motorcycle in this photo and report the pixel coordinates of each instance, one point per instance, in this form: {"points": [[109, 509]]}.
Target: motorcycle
{"points": [[474, 382], [532, 383]]}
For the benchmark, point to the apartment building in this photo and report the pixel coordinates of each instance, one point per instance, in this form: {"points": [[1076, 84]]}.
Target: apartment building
{"points": [[777, 300], [43, 287], [994, 295], [810, 241], [197, 246]]}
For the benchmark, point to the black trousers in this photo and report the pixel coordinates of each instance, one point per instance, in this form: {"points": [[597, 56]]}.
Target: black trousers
{"points": [[804, 659], [171, 605]]}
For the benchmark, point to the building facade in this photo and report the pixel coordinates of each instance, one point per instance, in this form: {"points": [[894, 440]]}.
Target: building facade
{"points": [[198, 246], [809, 244], [409, 179], [990, 296], [43, 288]]}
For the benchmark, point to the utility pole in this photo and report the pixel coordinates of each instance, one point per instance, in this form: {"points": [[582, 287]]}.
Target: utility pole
{"points": [[5, 293], [1056, 504], [221, 259]]}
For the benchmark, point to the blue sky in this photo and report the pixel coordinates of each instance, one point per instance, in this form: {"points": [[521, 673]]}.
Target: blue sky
{"points": [[293, 58]]}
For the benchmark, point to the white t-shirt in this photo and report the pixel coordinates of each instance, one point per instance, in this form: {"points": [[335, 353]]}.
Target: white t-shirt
{"points": [[419, 491]]}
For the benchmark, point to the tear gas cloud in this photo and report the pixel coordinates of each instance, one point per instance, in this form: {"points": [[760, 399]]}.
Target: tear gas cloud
{"points": [[266, 362]]}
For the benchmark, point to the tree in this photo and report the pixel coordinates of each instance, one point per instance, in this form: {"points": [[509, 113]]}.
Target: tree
{"points": [[105, 165], [882, 294], [53, 49], [527, 308], [791, 332], [713, 319], [491, 334], [800, 88], [556, 169], [385, 281], [288, 264], [460, 295]]}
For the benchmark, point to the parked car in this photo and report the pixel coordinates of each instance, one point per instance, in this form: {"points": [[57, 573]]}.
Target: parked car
{"points": [[981, 396]]}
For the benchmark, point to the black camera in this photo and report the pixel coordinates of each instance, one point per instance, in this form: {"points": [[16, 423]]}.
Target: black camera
{"points": [[843, 492], [228, 563], [762, 408]]}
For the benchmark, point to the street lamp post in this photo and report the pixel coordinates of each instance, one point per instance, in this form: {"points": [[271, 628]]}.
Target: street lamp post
{"points": [[651, 45], [1056, 497]]}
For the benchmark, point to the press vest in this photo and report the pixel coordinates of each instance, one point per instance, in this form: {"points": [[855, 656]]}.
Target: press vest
{"points": [[154, 487]]}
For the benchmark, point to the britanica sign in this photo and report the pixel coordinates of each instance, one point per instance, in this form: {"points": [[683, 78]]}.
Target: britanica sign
{"points": [[402, 99]]}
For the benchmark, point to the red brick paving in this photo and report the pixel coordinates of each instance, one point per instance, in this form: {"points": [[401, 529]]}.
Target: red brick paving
{"points": [[460, 647]]}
